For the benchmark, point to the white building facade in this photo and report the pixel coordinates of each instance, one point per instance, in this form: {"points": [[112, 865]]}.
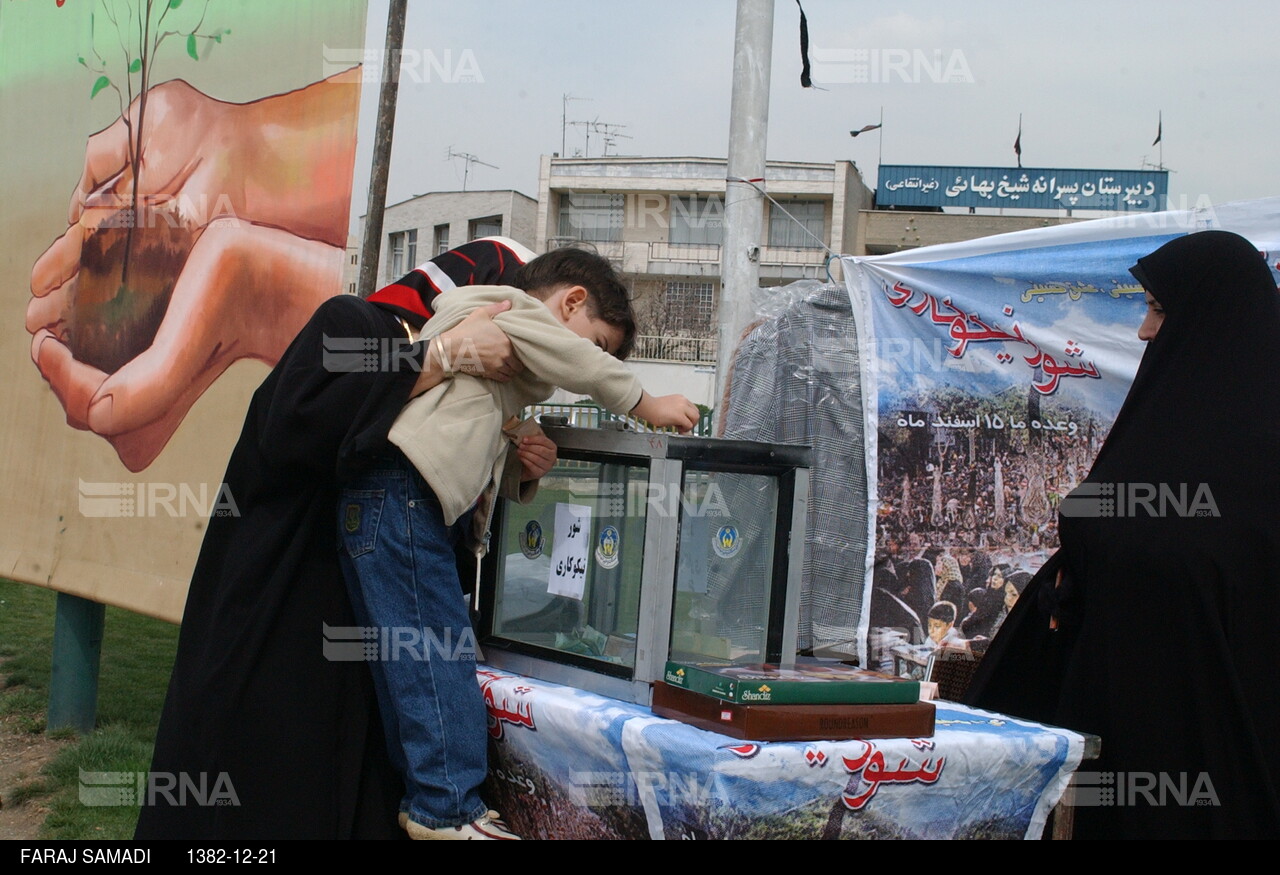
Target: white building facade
{"points": [[421, 227]]}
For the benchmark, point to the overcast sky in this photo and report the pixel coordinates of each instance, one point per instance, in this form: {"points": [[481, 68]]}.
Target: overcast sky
{"points": [[1089, 79]]}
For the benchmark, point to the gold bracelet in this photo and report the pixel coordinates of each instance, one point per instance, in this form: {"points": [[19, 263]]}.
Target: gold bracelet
{"points": [[438, 342]]}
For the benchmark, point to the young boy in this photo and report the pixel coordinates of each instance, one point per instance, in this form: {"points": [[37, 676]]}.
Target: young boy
{"points": [[400, 522], [942, 626]]}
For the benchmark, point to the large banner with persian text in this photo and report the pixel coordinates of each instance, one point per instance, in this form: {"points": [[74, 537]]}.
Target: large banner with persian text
{"points": [[993, 370], [568, 764], [1024, 188]]}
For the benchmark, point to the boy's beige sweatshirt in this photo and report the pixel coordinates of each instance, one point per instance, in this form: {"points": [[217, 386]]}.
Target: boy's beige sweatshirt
{"points": [[452, 433]]}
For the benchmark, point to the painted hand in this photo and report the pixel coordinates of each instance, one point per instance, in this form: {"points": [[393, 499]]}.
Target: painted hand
{"points": [[257, 252]]}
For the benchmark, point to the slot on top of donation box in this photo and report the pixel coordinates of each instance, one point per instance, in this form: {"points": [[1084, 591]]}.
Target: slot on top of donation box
{"points": [[639, 548]]}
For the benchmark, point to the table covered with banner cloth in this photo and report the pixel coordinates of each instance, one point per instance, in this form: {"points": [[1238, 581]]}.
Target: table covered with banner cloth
{"points": [[567, 764]]}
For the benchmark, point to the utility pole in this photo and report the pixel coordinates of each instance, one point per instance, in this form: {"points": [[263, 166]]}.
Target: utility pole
{"points": [[372, 244], [743, 203]]}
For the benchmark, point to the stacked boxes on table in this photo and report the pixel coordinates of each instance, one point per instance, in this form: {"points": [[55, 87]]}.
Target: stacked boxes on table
{"points": [[807, 701]]}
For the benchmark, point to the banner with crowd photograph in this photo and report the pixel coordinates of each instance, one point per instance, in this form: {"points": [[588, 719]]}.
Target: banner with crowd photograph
{"points": [[992, 371]]}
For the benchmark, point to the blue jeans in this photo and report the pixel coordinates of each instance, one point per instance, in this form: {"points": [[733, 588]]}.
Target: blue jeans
{"points": [[399, 564]]}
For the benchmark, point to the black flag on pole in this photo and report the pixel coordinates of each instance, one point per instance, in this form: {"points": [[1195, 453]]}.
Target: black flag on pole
{"points": [[1159, 129], [805, 81], [863, 130], [1017, 143]]}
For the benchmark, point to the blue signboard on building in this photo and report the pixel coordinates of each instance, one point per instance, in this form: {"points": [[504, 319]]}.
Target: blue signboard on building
{"points": [[1026, 188]]}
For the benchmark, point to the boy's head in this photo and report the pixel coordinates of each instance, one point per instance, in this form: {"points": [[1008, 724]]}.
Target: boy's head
{"points": [[584, 292], [942, 616]]}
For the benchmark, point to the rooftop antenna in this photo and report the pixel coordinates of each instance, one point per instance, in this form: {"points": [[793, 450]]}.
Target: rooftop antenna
{"points": [[586, 127], [610, 133], [564, 118], [468, 160]]}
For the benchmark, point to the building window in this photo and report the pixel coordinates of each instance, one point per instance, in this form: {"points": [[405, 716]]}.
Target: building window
{"points": [[490, 226], [441, 239], [786, 233], [697, 219], [403, 248], [689, 308], [593, 217], [354, 257], [395, 248]]}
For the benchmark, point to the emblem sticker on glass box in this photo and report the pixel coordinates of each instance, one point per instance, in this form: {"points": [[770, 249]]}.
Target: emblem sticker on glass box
{"points": [[531, 540], [727, 542], [608, 545]]}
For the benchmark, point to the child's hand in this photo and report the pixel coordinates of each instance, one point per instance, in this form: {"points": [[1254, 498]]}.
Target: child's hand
{"points": [[537, 454], [668, 410]]}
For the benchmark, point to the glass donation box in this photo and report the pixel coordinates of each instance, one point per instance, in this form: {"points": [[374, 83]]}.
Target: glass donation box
{"points": [[639, 548]]}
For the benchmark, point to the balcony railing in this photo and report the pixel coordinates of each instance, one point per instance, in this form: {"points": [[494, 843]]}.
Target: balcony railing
{"points": [[584, 415], [610, 249], [688, 252], [788, 255], [699, 350], [700, 259]]}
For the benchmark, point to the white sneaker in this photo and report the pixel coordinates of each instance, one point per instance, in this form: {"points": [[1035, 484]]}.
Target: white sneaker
{"points": [[486, 827]]}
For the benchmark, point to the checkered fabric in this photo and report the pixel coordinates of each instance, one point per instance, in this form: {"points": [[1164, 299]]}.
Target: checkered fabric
{"points": [[795, 380]]}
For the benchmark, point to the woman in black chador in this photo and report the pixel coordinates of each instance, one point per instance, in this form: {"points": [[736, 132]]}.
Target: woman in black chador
{"points": [[262, 705], [1157, 623]]}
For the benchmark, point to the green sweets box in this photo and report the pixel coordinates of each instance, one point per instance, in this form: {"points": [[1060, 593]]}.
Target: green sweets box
{"points": [[803, 683]]}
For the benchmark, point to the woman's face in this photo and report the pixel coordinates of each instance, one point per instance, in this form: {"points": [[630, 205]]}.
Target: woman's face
{"points": [[1010, 596], [996, 580], [1150, 326]]}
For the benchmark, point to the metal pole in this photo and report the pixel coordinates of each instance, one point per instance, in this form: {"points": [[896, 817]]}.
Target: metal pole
{"points": [[382, 149], [880, 137], [743, 204], [77, 649]]}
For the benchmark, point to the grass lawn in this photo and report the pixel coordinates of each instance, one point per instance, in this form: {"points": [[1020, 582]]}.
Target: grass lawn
{"points": [[137, 655]]}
